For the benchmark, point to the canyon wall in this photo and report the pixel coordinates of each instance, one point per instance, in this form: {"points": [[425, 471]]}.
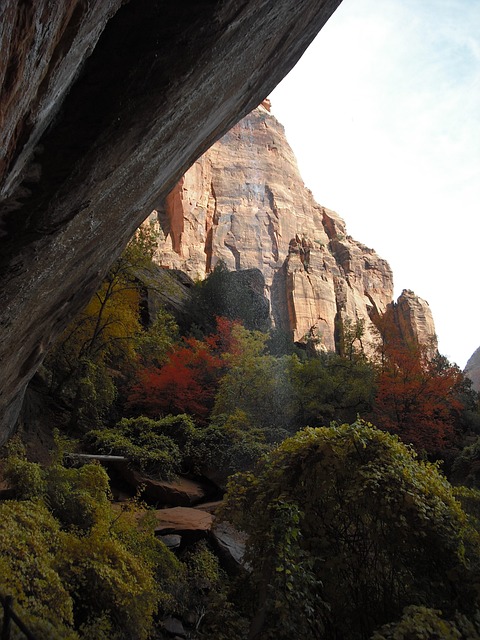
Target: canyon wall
{"points": [[244, 203]]}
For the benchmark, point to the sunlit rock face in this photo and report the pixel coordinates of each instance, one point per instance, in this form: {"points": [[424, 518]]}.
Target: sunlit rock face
{"points": [[472, 369], [244, 202], [104, 104], [415, 320]]}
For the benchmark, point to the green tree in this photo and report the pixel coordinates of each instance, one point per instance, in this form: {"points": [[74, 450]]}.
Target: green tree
{"points": [[255, 384], [230, 443], [370, 530], [351, 336], [466, 466], [155, 343], [422, 623], [330, 387]]}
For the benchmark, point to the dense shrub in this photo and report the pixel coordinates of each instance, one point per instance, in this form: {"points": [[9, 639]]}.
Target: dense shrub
{"points": [[421, 623], [348, 518], [466, 466], [229, 444], [153, 446], [76, 568], [29, 543], [109, 584]]}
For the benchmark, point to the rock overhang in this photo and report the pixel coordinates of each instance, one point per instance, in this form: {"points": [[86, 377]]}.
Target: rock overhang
{"points": [[103, 106]]}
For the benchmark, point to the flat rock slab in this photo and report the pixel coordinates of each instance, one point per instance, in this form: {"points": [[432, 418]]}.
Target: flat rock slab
{"points": [[210, 507], [183, 520], [182, 492]]}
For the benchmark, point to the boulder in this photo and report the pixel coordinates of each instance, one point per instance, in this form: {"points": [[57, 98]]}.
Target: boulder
{"points": [[172, 541], [230, 544], [183, 520], [174, 627]]}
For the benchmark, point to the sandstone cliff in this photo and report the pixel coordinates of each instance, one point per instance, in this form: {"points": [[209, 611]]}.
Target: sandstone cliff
{"points": [[472, 369], [244, 202]]}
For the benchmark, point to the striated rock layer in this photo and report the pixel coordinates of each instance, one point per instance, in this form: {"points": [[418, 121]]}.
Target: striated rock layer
{"points": [[244, 202], [104, 104]]}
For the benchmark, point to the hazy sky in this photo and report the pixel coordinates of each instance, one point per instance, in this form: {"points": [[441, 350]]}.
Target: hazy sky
{"points": [[383, 114]]}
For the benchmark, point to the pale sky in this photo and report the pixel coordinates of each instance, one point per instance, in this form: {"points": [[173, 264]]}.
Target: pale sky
{"points": [[383, 114]]}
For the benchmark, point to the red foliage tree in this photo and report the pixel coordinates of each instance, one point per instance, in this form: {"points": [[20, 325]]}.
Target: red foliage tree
{"points": [[187, 383], [418, 392]]}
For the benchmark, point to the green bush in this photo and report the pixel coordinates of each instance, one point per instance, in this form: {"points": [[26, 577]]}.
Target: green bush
{"points": [[26, 478], [76, 568], [108, 584], [208, 597], [135, 528], [29, 542], [470, 500], [150, 445], [421, 623], [363, 528], [466, 466], [76, 497], [229, 444]]}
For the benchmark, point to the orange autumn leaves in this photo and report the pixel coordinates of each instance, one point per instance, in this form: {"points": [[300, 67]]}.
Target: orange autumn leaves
{"points": [[418, 392], [188, 382]]}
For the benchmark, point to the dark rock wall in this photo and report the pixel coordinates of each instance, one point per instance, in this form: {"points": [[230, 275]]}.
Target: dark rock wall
{"points": [[104, 104]]}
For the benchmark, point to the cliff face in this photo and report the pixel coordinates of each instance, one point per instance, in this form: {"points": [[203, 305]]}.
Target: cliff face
{"points": [[472, 369], [103, 106], [244, 202]]}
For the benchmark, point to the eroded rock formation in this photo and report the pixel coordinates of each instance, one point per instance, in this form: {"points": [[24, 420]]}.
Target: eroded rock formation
{"points": [[244, 202], [472, 369], [414, 318], [103, 106]]}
